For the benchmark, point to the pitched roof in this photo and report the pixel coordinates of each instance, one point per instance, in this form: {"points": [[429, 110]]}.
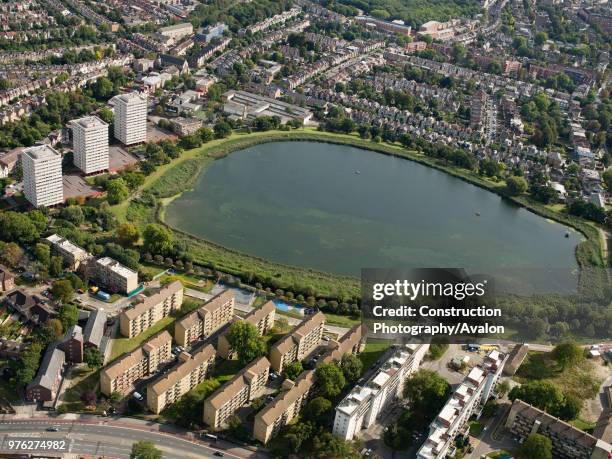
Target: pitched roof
{"points": [[283, 400], [153, 300], [227, 391], [49, 368], [94, 328], [554, 424], [74, 332], [119, 366], [210, 306], [305, 327], [182, 369]]}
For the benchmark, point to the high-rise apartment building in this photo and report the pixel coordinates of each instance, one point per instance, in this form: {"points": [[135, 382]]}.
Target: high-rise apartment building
{"points": [[90, 144], [131, 118], [42, 176]]}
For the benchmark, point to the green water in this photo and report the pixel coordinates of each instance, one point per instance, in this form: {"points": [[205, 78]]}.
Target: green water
{"points": [[337, 208]]}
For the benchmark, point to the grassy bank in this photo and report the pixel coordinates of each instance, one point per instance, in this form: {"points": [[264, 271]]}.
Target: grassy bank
{"points": [[170, 180]]}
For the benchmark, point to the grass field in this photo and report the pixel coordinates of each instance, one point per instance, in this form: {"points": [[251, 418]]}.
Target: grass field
{"points": [[579, 381], [374, 349]]}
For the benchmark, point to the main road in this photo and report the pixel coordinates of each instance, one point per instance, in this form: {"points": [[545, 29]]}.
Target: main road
{"points": [[112, 438]]}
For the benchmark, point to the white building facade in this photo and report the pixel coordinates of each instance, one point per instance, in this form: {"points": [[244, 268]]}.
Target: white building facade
{"points": [[467, 400], [131, 118], [90, 144], [42, 176], [364, 404]]}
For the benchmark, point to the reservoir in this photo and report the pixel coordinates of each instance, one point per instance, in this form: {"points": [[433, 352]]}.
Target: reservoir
{"points": [[338, 209]]}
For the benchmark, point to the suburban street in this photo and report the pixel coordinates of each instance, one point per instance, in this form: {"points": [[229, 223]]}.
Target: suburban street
{"points": [[114, 437]]}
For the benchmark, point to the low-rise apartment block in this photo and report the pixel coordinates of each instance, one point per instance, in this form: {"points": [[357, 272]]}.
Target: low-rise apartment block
{"points": [[286, 406], [45, 385], [154, 308], [468, 399], [113, 276], [568, 442], [142, 362], [365, 403], [206, 320], [242, 388], [299, 343], [72, 255], [350, 343], [262, 319], [191, 370]]}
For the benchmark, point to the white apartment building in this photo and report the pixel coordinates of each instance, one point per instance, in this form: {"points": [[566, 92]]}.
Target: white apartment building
{"points": [[42, 176], [177, 31], [90, 144], [468, 399], [72, 255], [131, 118], [363, 405]]}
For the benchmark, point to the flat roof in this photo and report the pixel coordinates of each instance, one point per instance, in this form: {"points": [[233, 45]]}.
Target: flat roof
{"points": [[41, 153], [89, 122], [116, 267]]}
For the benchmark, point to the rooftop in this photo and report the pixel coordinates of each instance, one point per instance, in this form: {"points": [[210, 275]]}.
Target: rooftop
{"points": [[41, 153], [89, 122], [286, 398], [305, 327], [153, 300], [182, 369], [116, 267], [226, 392]]}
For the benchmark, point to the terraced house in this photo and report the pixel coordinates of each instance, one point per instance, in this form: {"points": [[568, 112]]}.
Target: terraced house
{"points": [[144, 315], [284, 407], [142, 362], [245, 386], [297, 345], [206, 320], [191, 370], [262, 319]]}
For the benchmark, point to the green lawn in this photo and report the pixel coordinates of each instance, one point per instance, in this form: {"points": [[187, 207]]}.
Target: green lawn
{"points": [[341, 321], [581, 424], [124, 345], [374, 349], [226, 370], [476, 428]]}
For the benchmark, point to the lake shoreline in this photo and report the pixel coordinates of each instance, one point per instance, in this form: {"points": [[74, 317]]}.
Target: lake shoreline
{"points": [[588, 253]]}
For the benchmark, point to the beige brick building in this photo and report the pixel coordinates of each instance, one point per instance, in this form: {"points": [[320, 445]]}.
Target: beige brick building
{"points": [[245, 386], [299, 343], [206, 320], [142, 362], [284, 407], [351, 343], [144, 315], [262, 319], [191, 370]]}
